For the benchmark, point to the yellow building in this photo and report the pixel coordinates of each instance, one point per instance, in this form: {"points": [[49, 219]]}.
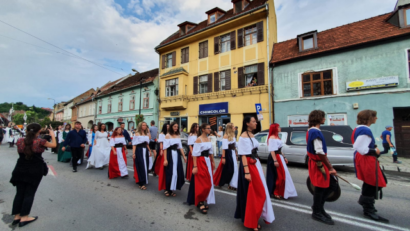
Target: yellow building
{"points": [[217, 70]]}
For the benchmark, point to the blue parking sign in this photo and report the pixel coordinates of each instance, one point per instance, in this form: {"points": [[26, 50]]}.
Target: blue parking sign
{"points": [[258, 107]]}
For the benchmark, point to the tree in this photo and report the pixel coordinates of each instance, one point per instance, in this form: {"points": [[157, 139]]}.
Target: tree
{"points": [[18, 119], [139, 119], [45, 121]]}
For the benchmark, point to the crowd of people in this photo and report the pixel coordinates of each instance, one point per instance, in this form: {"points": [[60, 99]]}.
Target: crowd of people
{"points": [[161, 152]]}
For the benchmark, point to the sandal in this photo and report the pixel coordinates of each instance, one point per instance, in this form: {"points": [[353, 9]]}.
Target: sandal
{"points": [[277, 197], [206, 205], [202, 208], [173, 194], [166, 193], [143, 187], [257, 229]]}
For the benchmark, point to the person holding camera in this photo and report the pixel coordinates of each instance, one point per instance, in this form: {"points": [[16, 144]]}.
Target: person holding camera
{"points": [[76, 139], [28, 172]]}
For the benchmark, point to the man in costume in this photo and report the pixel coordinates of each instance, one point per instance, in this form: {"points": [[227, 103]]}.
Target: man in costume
{"points": [[321, 172]]}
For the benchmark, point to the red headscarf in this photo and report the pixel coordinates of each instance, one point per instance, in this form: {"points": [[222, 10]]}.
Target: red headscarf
{"points": [[273, 130]]}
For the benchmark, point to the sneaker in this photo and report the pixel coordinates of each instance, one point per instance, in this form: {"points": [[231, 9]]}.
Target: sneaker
{"points": [[397, 162]]}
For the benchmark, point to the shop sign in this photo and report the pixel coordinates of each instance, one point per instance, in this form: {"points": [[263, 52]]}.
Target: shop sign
{"points": [[174, 113], [213, 109], [391, 81], [337, 119], [298, 120]]}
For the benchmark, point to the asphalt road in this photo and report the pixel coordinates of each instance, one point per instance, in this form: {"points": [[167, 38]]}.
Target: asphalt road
{"points": [[88, 200]]}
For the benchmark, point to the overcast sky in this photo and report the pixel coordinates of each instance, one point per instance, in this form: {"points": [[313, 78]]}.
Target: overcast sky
{"points": [[118, 35]]}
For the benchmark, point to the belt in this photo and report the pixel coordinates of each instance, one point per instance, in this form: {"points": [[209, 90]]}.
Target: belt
{"points": [[279, 151], [232, 146], [321, 168], [120, 145], [205, 153], [173, 147], [254, 154], [142, 145]]}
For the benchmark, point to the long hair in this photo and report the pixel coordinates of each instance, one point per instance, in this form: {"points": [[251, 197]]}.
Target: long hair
{"points": [[246, 120], [139, 129], [164, 129], [114, 133], [202, 127], [32, 130], [273, 130], [69, 127], [366, 117], [171, 129], [229, 131], [193, 129], [93, 128], [100, 127], [316, 117]]}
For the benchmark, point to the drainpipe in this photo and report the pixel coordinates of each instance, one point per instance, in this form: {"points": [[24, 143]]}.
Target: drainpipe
{"points": [[267, 66]]}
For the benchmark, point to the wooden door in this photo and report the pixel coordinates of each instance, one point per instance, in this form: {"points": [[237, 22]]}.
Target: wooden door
{"points": [[401, 125]]}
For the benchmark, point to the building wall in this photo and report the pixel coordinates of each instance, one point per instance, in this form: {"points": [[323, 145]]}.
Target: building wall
{"points": [[389, 59], [68, 112], [86, 113], [240, 100], [150, 113]]}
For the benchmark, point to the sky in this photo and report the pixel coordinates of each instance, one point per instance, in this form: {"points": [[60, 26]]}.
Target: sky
{"points": [[77, 45]]}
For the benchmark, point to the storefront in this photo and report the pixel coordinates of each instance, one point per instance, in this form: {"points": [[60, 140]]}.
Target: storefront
{"points": [[175, 117], [215, 114]]}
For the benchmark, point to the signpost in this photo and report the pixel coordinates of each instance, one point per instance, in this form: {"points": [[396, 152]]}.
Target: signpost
{"points": [[258, 107]]}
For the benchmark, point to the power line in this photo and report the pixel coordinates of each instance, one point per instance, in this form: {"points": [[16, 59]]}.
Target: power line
{"points": [[58, 47]]}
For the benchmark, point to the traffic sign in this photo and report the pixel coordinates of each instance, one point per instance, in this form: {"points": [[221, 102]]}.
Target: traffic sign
{"points": [[258, 107]]}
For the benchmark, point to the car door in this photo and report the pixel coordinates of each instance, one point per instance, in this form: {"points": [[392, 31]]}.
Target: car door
{"points": [[340, 154], [295, 150], [263, 147]]}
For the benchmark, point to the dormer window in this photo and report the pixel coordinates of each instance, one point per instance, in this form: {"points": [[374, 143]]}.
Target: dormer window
{"points": [[212, 18], [185, 27], [307, 41], [407, 16], [214, 14], [238, 7]]}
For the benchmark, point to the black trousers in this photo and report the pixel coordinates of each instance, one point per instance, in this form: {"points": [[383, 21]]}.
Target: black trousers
{"points": [[23, 201], [76, 154], [320, 195]]}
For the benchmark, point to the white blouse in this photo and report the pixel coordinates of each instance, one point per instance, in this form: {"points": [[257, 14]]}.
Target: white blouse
{"points": [[140, 139], [117, 140], [169, 142], [361, 145], [225, 143], [245, 145], [192, 139], [275, 145], [161, 138], [200, 147], [101, 135]]}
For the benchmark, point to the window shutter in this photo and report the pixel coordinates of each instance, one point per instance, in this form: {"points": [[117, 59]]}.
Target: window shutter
{"points": [[259, 29], [216, 45], [187, 55], [209, 83], [228, 80], [241, 80], [195, 85], [206, 50], [261, 74], [163, 62], [240, 38], [216, 81], [182, 56], [233, 40], [174, 60]]}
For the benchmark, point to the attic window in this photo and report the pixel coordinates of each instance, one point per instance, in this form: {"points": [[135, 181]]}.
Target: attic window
{"points": [[183, 30], [307, 41], [238, 6], [407, 16], [212, 18]]}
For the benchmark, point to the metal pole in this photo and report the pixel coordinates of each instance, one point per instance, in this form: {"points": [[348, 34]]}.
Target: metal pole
{"points": [[54, 114], [140, 96]]}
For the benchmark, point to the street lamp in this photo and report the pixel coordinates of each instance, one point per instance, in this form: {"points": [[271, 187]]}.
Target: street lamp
{"points": [[54, 108], [140, 81]]}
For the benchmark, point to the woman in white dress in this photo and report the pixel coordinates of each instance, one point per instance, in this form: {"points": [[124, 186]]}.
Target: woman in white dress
{"points": [[278, 178], [118, 156], [101, 149], [174, 171], [201, 190], [212, 137], [141, 154]]}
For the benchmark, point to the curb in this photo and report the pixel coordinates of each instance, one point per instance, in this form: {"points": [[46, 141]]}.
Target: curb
{"points": [[395, 168]]}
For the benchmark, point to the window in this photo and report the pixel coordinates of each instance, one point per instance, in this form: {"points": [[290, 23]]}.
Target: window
{"points": [[212, 18], [120, 105], [109, 106], [261, 138], [91, 109], [146, 100], [203, 49], [185, 55], [168, 60], [317, 83], [225, 43], [222, 78], [203, 84], [250, 35], [298, 138], [238, 6], [251, 76], [307, 43], [132, 102], [183, 30], [171, 87], [407, 17]]}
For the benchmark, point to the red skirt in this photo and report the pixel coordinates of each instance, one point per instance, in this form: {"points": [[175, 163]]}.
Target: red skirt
{"points": [[159, 162], [113, 167], [189, 166], [203, 183], [281, 178], [161, 172], [366, 170], [316, 176]]}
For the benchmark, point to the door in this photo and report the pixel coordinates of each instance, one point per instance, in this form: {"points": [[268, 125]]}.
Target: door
{"points": [[401, 123], [296, 149]]}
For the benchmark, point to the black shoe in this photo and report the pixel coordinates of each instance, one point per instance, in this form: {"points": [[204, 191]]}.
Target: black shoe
{"points": [[15, 222], [318, 216], [326, 214], [376, 217], [24, 223], [74, 170]]}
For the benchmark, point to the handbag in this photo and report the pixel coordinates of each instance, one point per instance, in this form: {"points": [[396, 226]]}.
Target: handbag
{"points": [[45, 167]]}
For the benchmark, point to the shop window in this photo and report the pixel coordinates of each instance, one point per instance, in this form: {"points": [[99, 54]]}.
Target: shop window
{"points": [[146, 100], [203, 84], [298, 138], [185, 55], [251, 76], [250, 35], [120, 105], [109, 107], [203, 49], [317, 83], [132, 103], [171, 87]]}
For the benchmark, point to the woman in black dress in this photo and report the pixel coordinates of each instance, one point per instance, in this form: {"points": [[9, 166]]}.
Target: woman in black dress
{"points": [[29, 171]]}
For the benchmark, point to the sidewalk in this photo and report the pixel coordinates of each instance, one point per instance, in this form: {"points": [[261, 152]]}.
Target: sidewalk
{"points": [[386, 162]]}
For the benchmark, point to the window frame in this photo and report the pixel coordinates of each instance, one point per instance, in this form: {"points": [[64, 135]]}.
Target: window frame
{"points": [[220, 80], [303, 42], [210, 16], [176, 85], [203, 49], [132, 102], [184, 54], [145, 100], [203, 83], [321, 80], [245, 74], [228, 43], [120, 105], [252, 34], [168, 60], [405, 16], [109, 106]]}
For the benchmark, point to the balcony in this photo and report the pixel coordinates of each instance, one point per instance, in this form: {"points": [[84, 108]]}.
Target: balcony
{"points": [[178, 102]]}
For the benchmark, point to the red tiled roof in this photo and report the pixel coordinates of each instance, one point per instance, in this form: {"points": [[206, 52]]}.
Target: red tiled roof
{"points": [[47, 109], [357, 33], [103, 88], [131, 81], [204, 24]]}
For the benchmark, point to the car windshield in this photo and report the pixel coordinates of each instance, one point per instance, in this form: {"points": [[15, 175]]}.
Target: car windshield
{"points": [[298, 138], [261, 138]]}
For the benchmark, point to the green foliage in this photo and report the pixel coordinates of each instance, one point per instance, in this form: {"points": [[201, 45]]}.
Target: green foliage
{"points": [[20, 106], [139, 119], [18, 119], [45, 121]]}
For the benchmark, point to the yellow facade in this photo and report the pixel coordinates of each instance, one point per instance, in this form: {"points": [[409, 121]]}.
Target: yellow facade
{"points": [[240, 100]]}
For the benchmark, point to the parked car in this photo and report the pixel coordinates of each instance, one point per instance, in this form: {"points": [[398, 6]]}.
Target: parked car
{"points": [[338, 140]]}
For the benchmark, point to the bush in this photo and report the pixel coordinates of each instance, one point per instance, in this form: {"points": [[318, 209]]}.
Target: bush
{"points": [[139, 119]]}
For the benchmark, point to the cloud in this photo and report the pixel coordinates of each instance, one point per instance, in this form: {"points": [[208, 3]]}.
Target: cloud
{"points": [[120, 35]]}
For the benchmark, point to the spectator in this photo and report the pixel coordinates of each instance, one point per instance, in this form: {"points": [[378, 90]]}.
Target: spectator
{"points": [[387, 144], [29, 171], [125, 133], [219, 138], [153, 130]]}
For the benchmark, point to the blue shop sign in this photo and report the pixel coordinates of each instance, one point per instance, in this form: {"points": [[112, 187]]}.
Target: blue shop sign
{"points": [[214, 108]]}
